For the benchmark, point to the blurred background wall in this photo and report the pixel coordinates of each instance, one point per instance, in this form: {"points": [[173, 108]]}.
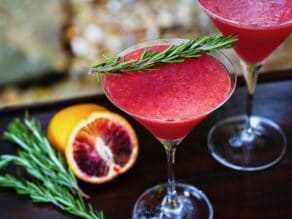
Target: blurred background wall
{"points": [[47, 47]]}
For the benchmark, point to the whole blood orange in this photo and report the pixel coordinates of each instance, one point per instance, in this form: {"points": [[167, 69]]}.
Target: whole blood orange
{"points": [[102, 147]]}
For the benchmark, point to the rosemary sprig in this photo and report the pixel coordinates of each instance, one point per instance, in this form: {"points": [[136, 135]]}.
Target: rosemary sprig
{"points": [[37, 156], [173, 54], [50, 180], [53, 193]]}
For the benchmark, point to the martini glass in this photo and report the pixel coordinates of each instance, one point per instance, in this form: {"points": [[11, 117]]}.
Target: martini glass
{"points": [[169, 101], [249, 143]]}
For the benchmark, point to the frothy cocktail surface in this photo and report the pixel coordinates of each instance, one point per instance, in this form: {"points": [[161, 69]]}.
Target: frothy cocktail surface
{"points": [[171, 91]]}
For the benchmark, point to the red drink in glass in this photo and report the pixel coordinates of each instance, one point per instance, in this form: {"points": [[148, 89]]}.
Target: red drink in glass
{"points": [[261, 25], [171, 99], [250, 143]]}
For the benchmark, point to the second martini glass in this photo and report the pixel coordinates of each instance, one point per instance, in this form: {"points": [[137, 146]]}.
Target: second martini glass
{"points": [[169, 101], [250, 143]]}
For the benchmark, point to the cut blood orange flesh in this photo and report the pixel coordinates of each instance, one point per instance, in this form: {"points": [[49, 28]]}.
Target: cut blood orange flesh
{"points": [[102, 147]]}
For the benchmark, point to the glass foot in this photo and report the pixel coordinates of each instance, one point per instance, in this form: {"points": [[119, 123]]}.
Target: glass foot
{"points": [[258, 148], [194, 204]]}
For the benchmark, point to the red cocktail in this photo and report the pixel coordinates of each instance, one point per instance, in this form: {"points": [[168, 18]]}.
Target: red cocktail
{"points": [[251, 143], [169, 101]]}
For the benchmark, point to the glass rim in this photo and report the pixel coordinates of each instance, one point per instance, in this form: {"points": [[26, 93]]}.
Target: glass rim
{"points": [[236, 23], [171, 41]]}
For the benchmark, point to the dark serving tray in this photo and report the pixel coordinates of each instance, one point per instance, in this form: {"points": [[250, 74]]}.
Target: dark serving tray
{"points": [[259, 195]]}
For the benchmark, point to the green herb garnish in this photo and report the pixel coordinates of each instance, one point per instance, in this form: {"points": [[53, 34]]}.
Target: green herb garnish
{"points": [[173, 54], [47, 178]]}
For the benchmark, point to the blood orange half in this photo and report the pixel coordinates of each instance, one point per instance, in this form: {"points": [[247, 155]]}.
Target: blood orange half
{"points": [[101, 147]]}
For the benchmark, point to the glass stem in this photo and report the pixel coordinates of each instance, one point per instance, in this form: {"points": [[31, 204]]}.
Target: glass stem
{"points": [[250, 76], [171, 202], [249, 106]]}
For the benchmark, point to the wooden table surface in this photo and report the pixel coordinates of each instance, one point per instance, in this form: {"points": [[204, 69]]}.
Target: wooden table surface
{"points": [[234, 195]]}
